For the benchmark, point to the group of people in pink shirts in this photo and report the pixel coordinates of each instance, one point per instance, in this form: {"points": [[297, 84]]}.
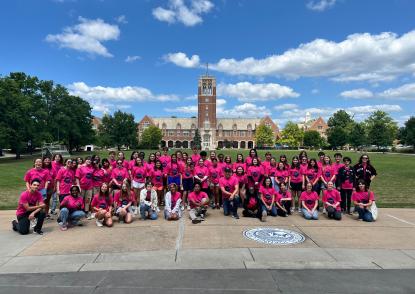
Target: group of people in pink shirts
{"points": [[102, 189]]}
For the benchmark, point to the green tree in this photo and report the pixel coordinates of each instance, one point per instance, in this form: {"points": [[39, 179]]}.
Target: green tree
{"points": [[264, 136], [291, 135], [151, 138], [358, 136], [410, 131], [337, 136], [197, 140], [340, 119], [312, 139], [340, 126], [118, 130], [382, 130]]}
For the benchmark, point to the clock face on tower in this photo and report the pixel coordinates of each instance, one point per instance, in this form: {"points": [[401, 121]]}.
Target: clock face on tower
{"points": [[207, 102]]}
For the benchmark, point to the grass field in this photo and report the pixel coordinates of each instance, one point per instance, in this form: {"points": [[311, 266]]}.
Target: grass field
{"points": [[393, 187]]}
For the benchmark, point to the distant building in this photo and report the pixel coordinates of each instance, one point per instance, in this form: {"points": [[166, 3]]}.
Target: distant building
{"points": [[215, 132], [317, 124], [96, 122]]}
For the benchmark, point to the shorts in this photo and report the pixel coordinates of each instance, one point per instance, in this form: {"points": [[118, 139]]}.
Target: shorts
{"points": [[171, 180], [212, 185], [117, 212], [296, 186], [188, 184], [137, 185], [43, 192]]}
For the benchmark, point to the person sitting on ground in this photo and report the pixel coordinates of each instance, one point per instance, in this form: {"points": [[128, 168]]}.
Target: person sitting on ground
{"points": [[148, 202], [267, 196], [252, 207], [123, 201], [331, 202], [71, 209], [229, 186], [309, 201], [30, 209], [363, 199], [283, 200], [199, 202], [172, 200], [102, 206]]}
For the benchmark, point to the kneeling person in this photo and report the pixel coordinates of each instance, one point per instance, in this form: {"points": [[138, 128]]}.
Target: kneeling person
{"points": [[199, 202], [123, 200], [148, 202], [331, 201], [229, 186], [172, 200], [71, 209], [102, 206]]}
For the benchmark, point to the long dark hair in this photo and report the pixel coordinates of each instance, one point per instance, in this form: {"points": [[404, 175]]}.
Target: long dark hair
{"points": [[361, 159], [264, 182], [315, 167], [295, 165], [104, 194], [361, 181]]}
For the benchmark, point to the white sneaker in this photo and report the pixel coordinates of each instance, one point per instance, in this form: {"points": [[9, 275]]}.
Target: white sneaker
{"points": [[99, 223], [264, 216], [292, 209], [299, 210], [181, 207], [33, 223], [324, 211], [188, 207], [89, 216]]}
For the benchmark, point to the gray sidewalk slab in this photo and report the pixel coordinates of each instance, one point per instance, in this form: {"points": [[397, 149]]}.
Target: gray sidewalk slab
{"points": [[40, 268], [310, 265], [290, 254], [51, 259], [12, 243]]}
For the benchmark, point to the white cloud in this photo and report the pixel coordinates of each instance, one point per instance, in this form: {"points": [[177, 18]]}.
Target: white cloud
{"points": [[404, 92], [87, 36], [192, 109], [126, 94], [357, 94], [178, 11], [121, 19], [131, 59], [181, 59], [286, 106], [245, 91], [100, 106], [360, 57], [320, 5]]}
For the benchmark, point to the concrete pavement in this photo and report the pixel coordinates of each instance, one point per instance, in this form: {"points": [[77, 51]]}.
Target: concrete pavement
{"points": [[217, 243]]}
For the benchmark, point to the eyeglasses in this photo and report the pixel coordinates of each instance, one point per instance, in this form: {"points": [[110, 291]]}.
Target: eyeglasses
{"points": [[365, 157]]}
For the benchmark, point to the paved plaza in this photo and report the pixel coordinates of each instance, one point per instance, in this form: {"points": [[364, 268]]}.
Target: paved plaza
{"points": [[217, 243]]}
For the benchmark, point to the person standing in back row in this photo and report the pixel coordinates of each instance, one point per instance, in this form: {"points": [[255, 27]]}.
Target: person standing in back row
{"points": [[364, 170]]}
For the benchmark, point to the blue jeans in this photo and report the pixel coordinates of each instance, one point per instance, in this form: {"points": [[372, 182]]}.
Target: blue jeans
{"points": [[230, 206], [272, 212], [74, 216], [54, 202], [364, 214], [308, 215], [147, 208]]}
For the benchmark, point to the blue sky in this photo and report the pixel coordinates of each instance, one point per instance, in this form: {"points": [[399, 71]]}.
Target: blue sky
{"points": [[281, 58]]}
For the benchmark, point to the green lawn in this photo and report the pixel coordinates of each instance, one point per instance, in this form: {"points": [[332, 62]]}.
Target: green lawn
{"points": [[394, 186]]}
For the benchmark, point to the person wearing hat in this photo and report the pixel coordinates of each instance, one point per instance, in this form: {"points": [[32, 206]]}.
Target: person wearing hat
{"points": [[71, 209], [229, 186], [30, 208]]}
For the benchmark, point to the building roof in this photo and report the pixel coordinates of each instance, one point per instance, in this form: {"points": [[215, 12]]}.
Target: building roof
{"points": [[171, 122], [241, 123]]}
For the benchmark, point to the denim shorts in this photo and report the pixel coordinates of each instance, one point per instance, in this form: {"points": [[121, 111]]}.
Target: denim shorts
{"points": [[171, 180], [43, 192]]}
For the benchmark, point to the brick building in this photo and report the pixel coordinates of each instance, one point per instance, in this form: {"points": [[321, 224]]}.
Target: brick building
{"points": [[214, 131], [317, 124]]}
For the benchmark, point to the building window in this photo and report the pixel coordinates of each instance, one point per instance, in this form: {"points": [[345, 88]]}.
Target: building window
{"points": [[146, 124], [171, 133], [319, 127], [242, 134], [186, 133], [207, 124], [268, 124]]}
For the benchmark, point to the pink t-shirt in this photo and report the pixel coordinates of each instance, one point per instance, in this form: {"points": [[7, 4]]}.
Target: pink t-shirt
{"points": [[303, 168], [207, 163], [165, 160], [41, 174], [99, 176], [214, 174], [267, 194], [72, 203], [195, 158], [139, 174], [281, 175], [363, 197], [196, 197], [226, 165], [123, 201], [27, 197], [107, 177], [327, 171], [242, 179], [255, 172], [347, 185], [157, 178], [336, 167], [173, 169], [296, 175], [201, 172], [271, 170], [238, 164], [281, 195], [101, 202], [174, 197], [56, 166], [228, 184], [332, 196], [113, 163], [66, 178], [119, 174], [85, 176], [309, 199], [265, 165], [149, 167], [187, 172], [312, 174]]}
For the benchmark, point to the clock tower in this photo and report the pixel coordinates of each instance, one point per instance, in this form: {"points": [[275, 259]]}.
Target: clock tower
{"points": [[206, 97]]}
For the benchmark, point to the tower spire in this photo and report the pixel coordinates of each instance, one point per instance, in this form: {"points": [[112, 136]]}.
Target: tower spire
{"points": [[207, 69]]}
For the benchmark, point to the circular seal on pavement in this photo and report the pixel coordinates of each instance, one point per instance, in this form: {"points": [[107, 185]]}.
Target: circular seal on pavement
{"points": [[274, 236]]}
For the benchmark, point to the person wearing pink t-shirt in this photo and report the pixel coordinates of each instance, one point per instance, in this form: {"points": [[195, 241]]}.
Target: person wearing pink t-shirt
{"points": [[309, 200], [327, 172], [38, 172], [239, 162], [156, 175], [229, 186], [281, 174], [47, 165], [138, 176], [195, 155], [295, 181], [363, 199], [252, 154], [30, 207], [99, 176], [266, 163], [57, 164], [149, 164], [198, 201], [112, 159], [215, 173], [336, 166], [303, 164], [283, 201], [174, 171], [123, 201], [312, 175], [243, 182], [255, 173], [331, 202], [102, 206], [202, 175], [346, 182], [64, 180], [71, 209], [119, 174], [267, 195], [84, 180], [173, 200], [187, 180], [106, 165], [270, 172]]}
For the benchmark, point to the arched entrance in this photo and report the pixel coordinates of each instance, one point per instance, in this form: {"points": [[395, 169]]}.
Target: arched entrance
{"points": [[243, 145], [250, 144]]}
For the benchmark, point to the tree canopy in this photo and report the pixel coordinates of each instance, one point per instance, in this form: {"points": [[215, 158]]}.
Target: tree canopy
{"points": [[118, 130], [264, 136], [151, 138], [291, 135]]}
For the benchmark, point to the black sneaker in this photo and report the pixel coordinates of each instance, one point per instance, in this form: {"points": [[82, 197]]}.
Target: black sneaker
{"points": [[236, 216], [196, 221], [14, 225], [39, 232]]}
